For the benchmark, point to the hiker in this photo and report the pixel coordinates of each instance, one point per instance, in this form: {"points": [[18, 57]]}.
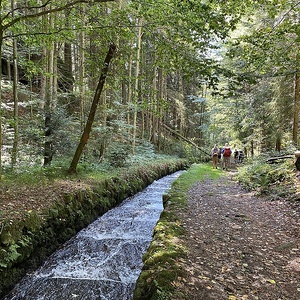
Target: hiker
{"points": [[220, 154], [214, 156], [236, 156], [241, 156], [226, 156]]}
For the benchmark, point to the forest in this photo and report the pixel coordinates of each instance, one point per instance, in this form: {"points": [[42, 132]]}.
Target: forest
{"points": [[99, 82], [99, 98]]}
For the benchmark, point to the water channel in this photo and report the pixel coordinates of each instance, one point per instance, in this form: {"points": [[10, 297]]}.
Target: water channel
{"points": [[104, 260]]}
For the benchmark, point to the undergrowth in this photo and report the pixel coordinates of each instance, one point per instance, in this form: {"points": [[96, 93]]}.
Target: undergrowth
{"points": [[86, 170], [275, 179]]}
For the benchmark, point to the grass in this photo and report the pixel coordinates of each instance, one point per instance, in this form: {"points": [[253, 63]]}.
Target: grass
{"points": [[197, 173]]}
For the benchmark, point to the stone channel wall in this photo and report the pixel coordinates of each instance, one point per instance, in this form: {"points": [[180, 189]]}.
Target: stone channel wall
{"points": [[25, 244]]}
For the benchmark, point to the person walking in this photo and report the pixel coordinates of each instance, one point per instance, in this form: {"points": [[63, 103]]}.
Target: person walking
{"points": [[241, 156], [214, 156], [236, 156], [226, 156]]}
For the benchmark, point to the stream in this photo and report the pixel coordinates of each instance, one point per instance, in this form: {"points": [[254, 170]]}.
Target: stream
{"points": [[104, 260]]}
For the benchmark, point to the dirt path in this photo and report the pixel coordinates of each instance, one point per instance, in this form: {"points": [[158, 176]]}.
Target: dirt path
{"points": [[240, 246]]}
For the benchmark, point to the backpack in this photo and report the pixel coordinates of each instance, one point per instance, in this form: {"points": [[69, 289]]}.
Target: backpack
{"points": [[227, 152], [215, 152]]}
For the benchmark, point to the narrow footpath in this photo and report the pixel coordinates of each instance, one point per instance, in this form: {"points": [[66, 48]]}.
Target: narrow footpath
{"points": [[240, 246]]}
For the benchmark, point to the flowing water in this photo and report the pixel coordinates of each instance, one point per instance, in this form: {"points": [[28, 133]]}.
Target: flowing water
{"points": [[104, 260]]}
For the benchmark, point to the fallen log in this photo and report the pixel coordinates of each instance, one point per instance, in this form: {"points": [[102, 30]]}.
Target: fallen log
{"points": [[272, 160]]}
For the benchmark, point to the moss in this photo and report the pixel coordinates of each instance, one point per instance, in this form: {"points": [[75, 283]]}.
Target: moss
{"points": [[27, 242]]}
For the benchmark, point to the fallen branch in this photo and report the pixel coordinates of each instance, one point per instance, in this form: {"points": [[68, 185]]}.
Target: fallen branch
{"points": [[276, 159], [184, 138]]}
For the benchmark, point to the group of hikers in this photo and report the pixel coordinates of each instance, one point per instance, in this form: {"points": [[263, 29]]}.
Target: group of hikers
{"points": [[223, 156]]}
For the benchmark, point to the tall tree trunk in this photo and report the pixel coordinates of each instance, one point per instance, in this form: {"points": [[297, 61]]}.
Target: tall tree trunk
{"points": [[55, 76], [1, 113], [296, 109], [129, 91], [159, 107], [67, 71], [105, 121], [91, 117], [136, 86], [81, 77], [153, 107], [49, 88], [16, 106], [252, 148], [43, 78], [15, 97], [48, 147], [278, 143]]}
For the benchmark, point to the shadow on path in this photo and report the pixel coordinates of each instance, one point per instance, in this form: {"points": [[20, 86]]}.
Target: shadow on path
{"points": [[240, 246]]}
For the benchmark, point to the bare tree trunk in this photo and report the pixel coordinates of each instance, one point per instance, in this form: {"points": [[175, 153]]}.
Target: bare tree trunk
{"points": [[91, 117], [296, 109], [49, 94], [67, 70], [129, 91], [1, 114], [159, 107], [81, 76], [136, 87], [48, 147], [15, 98], [8, 69], [43, 78], [55, 76], [252, 149], [154, 119], [103, 143]]}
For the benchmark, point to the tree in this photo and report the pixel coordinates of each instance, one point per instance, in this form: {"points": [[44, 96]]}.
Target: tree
{"points": [[91, 117], [15, 96], [159, 72], [11, 17], [260, 57]]}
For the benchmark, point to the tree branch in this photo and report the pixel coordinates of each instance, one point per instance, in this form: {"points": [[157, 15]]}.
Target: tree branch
{"points": [[48, 11]]}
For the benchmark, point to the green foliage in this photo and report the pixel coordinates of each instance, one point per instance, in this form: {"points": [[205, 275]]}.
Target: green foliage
{"points": [[184, 41], [117, 153], [184, 150], [264, 177], [255, 103], [88, 169], [10, 255]]}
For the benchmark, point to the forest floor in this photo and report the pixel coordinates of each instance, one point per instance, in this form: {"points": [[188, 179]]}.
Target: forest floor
{"points": [[240, 246], [17, 200]]}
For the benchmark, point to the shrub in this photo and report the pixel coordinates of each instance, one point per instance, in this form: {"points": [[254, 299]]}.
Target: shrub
{"points": [[259, 175]]}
